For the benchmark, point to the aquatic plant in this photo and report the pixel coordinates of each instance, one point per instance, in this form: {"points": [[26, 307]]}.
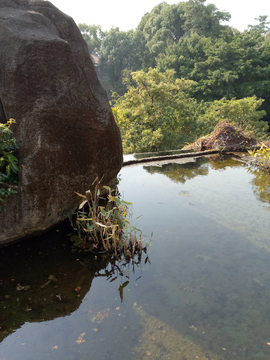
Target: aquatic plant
{"points": [[261, 156], [104, 223], [8, 161]]}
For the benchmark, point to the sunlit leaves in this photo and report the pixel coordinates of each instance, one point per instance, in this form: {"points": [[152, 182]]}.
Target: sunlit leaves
{"points": [[243, 113], [156, 113]]}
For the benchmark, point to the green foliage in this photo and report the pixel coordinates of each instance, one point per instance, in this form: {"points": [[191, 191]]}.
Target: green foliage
{"points": [[262, 157], [8, 161], [163, 26], [263, 27], [167, 24], [188, 37], [267, 39], [204, 19], [93, 36], [234, 65], [156, 113], [116, 55], [242, 113], [106, 225]]}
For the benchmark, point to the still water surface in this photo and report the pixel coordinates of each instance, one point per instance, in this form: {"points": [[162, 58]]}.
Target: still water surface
{"points": [[203, 293]]}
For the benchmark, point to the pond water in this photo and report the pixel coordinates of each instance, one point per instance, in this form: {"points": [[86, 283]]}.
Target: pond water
{"points": [[201, 292]]}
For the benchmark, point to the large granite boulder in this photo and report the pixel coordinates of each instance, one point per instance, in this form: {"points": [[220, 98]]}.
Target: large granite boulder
{"points": [[65, 129]]}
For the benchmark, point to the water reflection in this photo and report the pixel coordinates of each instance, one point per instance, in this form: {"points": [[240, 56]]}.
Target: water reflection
{"points": [[204, 296], [182, 170], [261, 184], [42, 279], [178, 171]]}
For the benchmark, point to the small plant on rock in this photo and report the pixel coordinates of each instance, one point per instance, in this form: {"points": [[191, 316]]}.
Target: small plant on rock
{"points": [[8, 161]]}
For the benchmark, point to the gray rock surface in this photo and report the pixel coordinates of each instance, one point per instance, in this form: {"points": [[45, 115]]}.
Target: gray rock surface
{"points": [[65, 129]]}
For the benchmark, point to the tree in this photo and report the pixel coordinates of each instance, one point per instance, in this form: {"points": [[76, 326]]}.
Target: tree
{"points": [[156, 113], [166, 24], [234, 65], [263, 27], [93, 36], [243, 113], [204, 19], [117, 54], [162, 26]]}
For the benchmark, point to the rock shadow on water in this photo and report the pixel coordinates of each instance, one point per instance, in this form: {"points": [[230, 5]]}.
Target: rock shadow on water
{"points": [[44, 279]]}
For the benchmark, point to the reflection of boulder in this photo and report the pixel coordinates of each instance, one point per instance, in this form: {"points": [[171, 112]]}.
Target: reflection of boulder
{"points": [[65, 128], [57, 277], [45, 279], [181, 172]]}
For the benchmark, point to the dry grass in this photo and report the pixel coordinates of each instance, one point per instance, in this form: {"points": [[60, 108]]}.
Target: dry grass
{"points": [[225, 137]]}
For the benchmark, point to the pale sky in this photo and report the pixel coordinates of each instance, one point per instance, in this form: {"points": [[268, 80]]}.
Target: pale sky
{"points": [[127, 14]]}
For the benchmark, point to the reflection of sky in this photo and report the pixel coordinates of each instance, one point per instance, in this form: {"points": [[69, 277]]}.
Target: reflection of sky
{"points": [[225, 196]]}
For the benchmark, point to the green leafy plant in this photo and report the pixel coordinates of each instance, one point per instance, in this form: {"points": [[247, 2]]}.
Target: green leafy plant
{"points": [[262, 156], [104, 224], [8, 161], [156, 113]]}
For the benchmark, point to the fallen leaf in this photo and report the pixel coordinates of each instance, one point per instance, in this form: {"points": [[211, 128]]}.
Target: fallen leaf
{"points": [[77, 288], [80, 339], [95, 329], [117, 308]]}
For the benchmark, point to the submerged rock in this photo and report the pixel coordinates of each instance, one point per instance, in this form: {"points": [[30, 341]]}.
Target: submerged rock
{"points": [[64, 127]]}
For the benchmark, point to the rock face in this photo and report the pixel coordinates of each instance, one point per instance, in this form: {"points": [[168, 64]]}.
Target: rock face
{"points": [[65, 129]]}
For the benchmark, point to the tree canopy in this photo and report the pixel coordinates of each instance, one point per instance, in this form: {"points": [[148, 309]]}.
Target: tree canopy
{"points": [[185, 68], [236, 64], [156, 113]]}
